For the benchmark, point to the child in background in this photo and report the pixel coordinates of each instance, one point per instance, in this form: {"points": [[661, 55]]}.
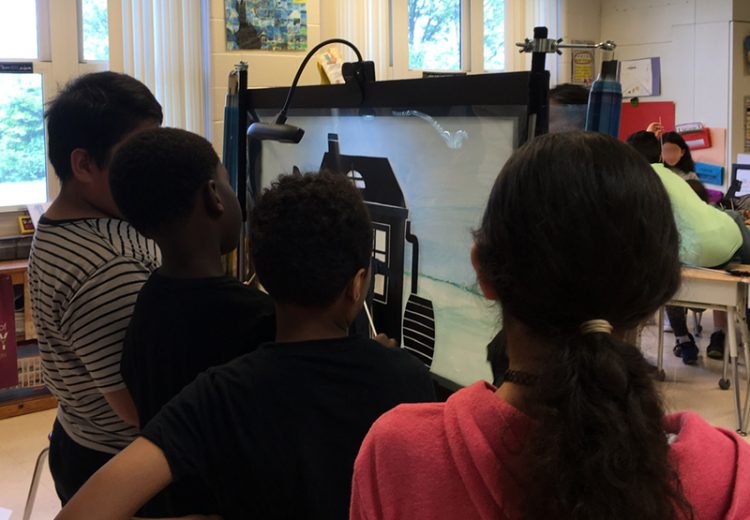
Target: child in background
{"points": [[709, 237], [190, 315], [577, 429], [699, 190], [274, 433], [567, 107], [676, 155]]}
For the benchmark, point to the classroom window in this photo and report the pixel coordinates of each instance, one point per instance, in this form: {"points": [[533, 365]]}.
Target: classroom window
{"points": [[494, 35], [18, 29], [448, 36], [435, 35], [94, 30], [30, 74], [23, 167]]}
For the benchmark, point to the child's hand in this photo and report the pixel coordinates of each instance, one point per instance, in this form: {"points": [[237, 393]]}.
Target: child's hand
{"points": [[655, 128], [385, 341]]}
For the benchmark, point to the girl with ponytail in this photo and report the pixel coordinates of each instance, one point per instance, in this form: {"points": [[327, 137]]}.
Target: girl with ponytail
{"points": [[578, 245]]}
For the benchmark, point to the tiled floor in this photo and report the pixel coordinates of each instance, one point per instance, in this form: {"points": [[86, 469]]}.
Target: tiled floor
{"points": [[22, 438], [695, 387]]}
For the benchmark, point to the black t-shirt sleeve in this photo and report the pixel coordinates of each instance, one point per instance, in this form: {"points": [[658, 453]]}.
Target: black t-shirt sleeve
{"points": [[416, 379], [194, 429]]}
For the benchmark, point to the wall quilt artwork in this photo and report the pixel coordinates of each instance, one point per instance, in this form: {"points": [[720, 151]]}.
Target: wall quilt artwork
{"points": [[274, 25]]}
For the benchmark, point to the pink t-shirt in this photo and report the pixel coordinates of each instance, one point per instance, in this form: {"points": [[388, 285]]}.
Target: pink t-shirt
{"points": [[459, 460]]}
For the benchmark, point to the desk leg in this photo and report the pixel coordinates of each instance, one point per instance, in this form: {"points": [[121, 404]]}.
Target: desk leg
{"points": [[731, 335], [660, 374], [742, 319], [724, 381]]}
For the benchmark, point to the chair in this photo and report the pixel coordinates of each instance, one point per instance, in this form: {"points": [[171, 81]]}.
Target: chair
{"points": [[31, 498], [718, 290]]}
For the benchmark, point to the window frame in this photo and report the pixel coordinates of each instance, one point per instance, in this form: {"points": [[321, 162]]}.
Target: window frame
{"points": [[59, 59], [472, 41]]}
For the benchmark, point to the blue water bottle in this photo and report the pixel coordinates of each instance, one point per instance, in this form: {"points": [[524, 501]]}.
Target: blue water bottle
{"points": [[605, 101]]}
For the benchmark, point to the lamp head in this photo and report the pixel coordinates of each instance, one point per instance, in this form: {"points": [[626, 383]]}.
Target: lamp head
{"points": [[275, 132]]}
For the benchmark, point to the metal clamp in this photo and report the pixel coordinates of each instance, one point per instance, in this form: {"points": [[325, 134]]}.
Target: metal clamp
{"points": [[549, 46]]}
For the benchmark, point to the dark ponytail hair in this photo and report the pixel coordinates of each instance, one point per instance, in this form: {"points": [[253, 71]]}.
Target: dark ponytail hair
{"points": [[579, 227], [686, 163]]}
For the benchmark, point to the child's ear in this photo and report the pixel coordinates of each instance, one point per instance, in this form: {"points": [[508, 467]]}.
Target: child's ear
{"points": [[84, 167], [488, 291], [212, 199], [358, 287]]}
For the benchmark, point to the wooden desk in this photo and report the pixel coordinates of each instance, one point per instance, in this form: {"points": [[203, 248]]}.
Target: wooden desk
{"points": [[18, 271], [715, 289]]}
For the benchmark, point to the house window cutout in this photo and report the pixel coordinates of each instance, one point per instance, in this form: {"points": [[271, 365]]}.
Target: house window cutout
{"points": [[381, 241], [380, 285], [357, 179], [380, 248]]}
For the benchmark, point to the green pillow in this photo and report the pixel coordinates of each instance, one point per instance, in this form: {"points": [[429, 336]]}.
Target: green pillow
{"points": [[708, 236]]}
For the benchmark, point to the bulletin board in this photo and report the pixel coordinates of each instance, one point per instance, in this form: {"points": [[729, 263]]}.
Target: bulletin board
{"points": [[638, 117], [717, 153]]}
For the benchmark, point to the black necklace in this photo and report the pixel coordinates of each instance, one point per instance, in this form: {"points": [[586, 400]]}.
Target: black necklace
{"points": [[519, 378]]}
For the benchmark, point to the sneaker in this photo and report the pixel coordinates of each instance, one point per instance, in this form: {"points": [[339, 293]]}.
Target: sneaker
{"points": [[715, 349], [687, 350], [677, 349]]}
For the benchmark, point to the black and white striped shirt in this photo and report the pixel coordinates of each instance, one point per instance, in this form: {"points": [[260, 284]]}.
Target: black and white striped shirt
{"points": [[84, 277]]}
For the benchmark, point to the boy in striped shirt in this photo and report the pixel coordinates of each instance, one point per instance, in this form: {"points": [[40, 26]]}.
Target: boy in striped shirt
{"points": [[86, 268]]}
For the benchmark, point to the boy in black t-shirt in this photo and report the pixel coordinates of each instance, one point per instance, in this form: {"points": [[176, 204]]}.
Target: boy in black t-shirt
{"points": [[274, 433], [189, 315]]}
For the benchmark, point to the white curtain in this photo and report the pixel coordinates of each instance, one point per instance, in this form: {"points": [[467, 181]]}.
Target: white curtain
{"points": [[523, 17], [366, 24], [163, 47], [546, 13]]}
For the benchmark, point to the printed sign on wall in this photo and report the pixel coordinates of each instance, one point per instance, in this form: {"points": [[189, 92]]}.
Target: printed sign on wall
{"points": [[641, 78], [582, 65]]}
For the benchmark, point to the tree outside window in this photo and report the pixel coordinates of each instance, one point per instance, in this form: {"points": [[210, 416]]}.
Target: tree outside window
{"points": [[22, 153], [95, 30], [494, 34], [436, 36]]}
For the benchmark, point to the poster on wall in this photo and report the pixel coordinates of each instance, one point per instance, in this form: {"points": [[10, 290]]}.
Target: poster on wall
{"points": [[641, 78], [582, 64], [273, 25], [8, 360]]}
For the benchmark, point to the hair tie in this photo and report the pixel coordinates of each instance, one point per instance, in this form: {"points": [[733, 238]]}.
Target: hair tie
{"points": [[596, 326]]}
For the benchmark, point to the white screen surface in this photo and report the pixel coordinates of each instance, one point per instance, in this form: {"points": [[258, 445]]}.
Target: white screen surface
{"points": [[446, 167]]}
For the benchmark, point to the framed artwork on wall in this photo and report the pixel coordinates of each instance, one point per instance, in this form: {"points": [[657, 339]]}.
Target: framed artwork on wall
{"points": [[273, 25]]}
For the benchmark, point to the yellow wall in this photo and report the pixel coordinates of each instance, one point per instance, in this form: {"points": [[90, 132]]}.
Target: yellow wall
{"points": [[266, 68]]}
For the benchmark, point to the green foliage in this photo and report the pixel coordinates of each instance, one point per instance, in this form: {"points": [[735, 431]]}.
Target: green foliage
{"points": [[95, 30], [22, 135], [494, 34], [435, 34], [434, 26]]}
